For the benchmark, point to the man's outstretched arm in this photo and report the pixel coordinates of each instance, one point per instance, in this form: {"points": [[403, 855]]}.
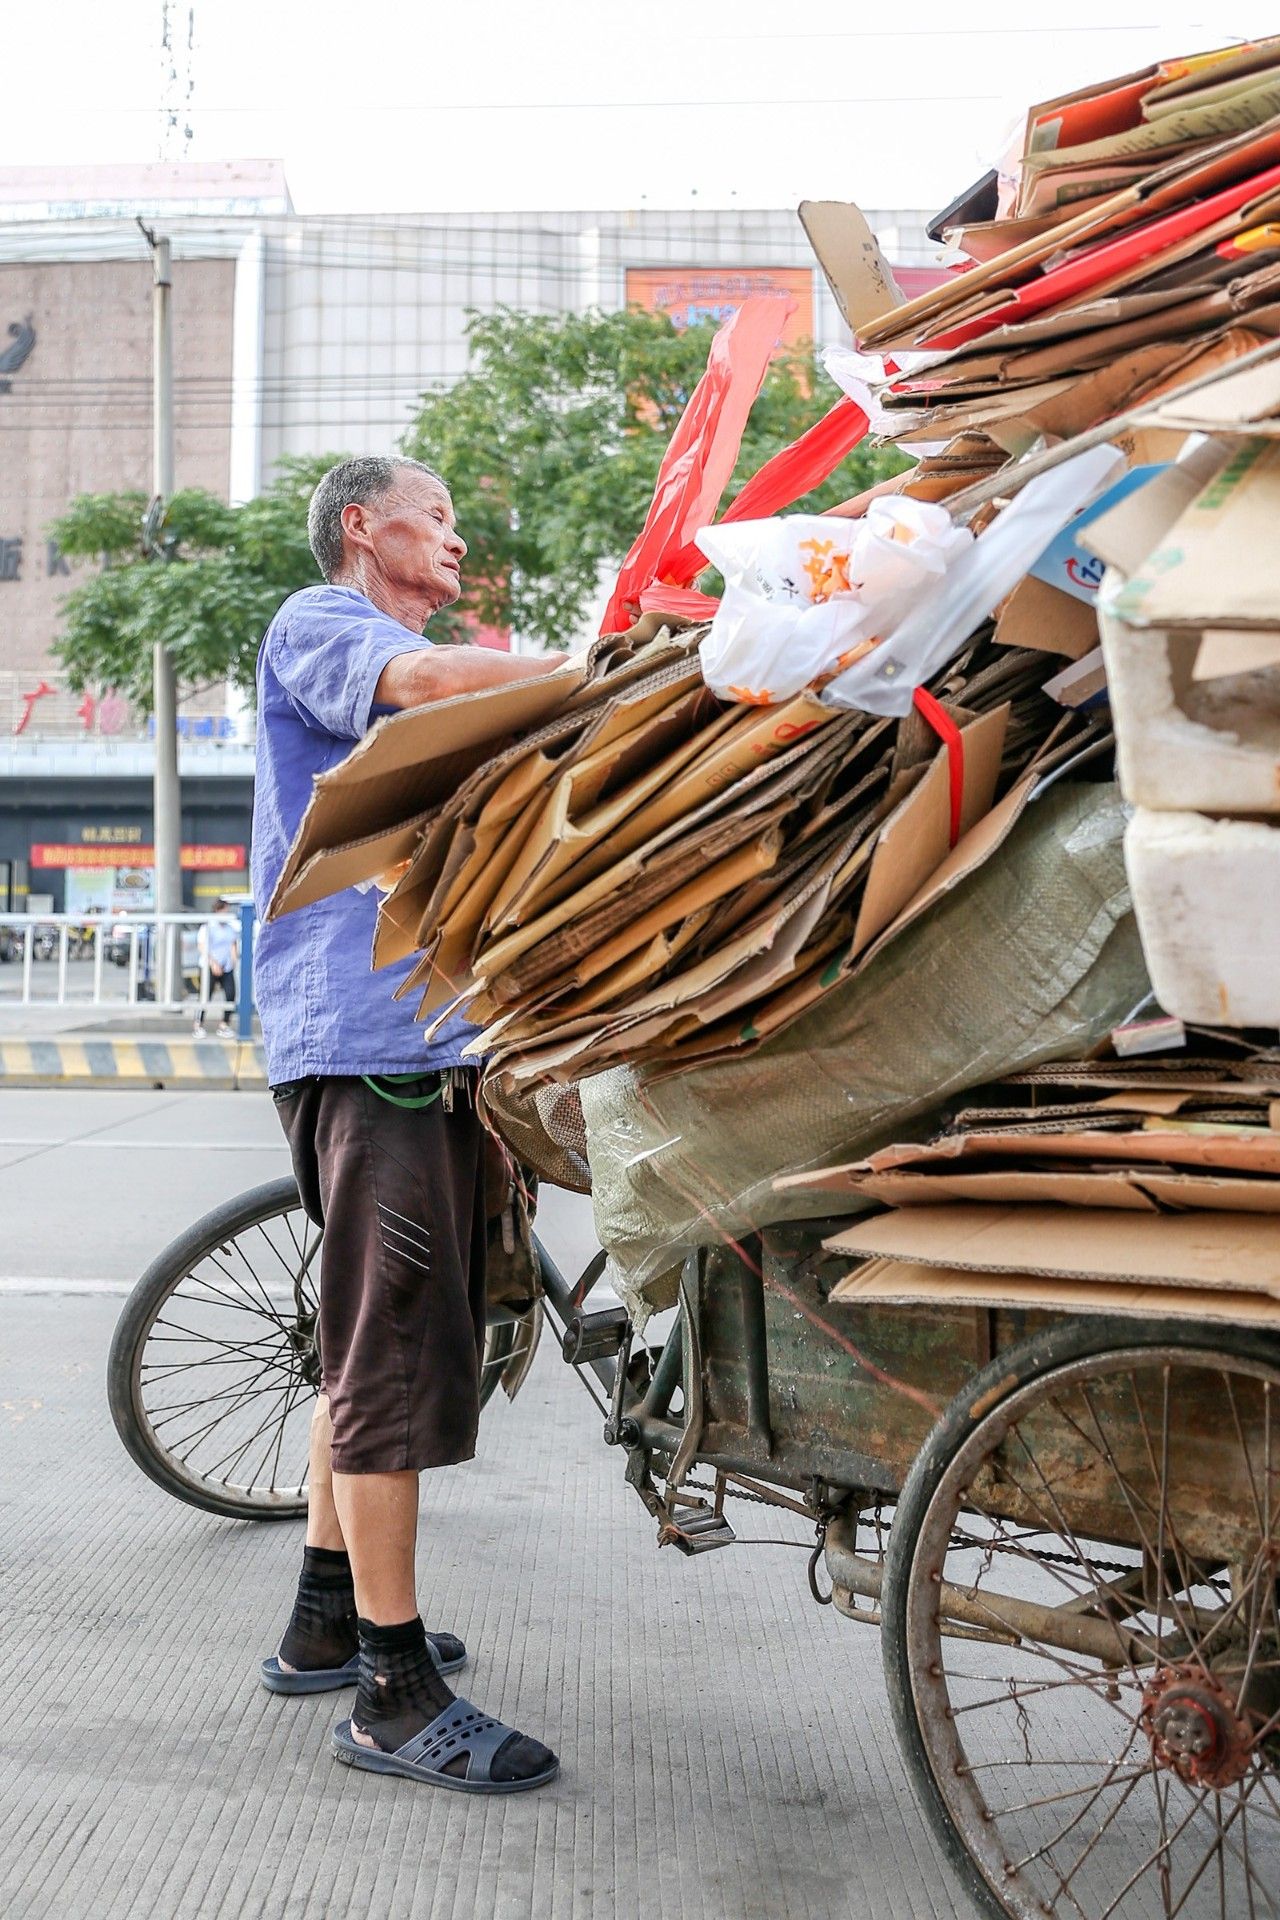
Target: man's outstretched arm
{"points": [[438, 673]]}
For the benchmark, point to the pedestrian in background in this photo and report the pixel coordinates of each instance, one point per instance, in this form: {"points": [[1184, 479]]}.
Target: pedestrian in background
{"points": [[219, 943]]}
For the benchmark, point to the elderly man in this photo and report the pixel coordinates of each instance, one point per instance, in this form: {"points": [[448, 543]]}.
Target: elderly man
{"points": [[386, 1145]]}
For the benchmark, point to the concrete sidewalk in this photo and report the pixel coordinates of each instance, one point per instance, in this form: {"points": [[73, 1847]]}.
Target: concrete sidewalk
{"points": [[726, 1744]]}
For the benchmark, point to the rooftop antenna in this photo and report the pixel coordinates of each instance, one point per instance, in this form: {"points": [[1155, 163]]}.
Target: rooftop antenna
{"points": [[177, 78]]}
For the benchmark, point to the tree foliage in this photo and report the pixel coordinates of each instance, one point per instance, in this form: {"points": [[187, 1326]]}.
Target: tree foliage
{"points": [[550, 446], [210, 600]]}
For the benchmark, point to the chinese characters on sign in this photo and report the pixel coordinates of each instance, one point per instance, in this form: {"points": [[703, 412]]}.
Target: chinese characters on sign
{"points": [[111, 836], [107, 713], [55, 561], [197, 859], [29, 700]]}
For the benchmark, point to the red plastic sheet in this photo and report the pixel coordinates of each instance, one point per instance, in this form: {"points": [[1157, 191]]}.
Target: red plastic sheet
{"points": [[791, 473], [697, 464], [658, 573], [949, 733]]}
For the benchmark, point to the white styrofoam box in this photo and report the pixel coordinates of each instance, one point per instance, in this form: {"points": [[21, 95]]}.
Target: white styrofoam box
{"points": [[1182, 742], [1207, 897]]}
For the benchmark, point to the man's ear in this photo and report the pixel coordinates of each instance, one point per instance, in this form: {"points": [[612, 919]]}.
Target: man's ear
{"points": [[354, 521]]}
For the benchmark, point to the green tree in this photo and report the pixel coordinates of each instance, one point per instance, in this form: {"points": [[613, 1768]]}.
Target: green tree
{"points": [[206, 582], [551, 445]]}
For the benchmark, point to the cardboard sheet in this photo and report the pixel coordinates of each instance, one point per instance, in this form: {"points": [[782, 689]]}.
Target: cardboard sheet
{"points": [[1214, 568], [1232, 1250], [1225, 1149], [909, 1283], [850, 257], [1041, 616], [410, 762]]}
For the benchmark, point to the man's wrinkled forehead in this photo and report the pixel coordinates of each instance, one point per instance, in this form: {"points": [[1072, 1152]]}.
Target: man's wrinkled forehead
{"points": [[417, 491]]}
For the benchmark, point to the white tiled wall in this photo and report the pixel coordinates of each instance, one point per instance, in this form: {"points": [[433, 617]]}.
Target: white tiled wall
{"points": [[362, 315]]}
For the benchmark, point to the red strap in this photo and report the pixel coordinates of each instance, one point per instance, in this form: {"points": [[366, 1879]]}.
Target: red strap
{"points": [[949, 733]]}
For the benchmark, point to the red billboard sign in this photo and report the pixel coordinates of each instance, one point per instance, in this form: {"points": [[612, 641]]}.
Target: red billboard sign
{"points": [[197, 859], [689, 294]]}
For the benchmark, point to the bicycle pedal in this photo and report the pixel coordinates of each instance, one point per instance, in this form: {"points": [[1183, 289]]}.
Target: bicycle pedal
{"points": [[698, 1530], [594, 1336]]}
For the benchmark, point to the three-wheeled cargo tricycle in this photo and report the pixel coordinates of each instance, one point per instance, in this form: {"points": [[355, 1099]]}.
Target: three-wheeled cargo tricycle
{"points": [[1066, 1528]]}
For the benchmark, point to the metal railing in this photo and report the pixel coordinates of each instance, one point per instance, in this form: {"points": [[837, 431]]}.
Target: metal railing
{"points": [[120, 960]]}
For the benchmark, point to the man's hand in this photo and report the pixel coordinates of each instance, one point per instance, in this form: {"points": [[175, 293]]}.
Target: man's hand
{"points": [[438, 673]]}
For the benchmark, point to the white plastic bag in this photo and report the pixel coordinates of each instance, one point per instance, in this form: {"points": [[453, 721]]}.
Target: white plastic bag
{"points": [[937, 626], [803, 594]]}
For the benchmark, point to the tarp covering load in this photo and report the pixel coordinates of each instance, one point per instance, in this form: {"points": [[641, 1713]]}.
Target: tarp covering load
{"points": [[1034, 956]]}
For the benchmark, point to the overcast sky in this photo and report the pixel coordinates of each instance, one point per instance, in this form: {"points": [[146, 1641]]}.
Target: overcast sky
{"points": [[381, 105]]}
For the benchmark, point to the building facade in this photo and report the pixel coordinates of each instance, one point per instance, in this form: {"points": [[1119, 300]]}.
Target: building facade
{"points": [[292, 335]]}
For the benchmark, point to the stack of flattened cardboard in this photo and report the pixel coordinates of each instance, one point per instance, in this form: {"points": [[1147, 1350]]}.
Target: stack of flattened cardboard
{"points": [[1138, 245], [1190, 621], [656, 875], [1130, 248], [1108, 1186]]}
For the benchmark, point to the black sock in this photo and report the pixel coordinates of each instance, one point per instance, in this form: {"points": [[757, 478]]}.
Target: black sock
{"points": [[400, 1692], [322, 1631]]}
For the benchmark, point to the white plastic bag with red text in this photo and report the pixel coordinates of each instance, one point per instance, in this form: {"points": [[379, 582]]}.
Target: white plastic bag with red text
{"points": [[805, 594]]}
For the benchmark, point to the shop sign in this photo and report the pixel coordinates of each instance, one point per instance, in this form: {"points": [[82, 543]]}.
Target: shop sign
{"points": [[195, 859], [690, 294], [111, 836]]}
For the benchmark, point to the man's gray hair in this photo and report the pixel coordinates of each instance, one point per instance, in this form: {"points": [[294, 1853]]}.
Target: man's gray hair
{"points": [[351, 483]]}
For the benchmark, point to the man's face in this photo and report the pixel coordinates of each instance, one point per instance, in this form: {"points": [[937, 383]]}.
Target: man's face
{"points": [[410, 535]]}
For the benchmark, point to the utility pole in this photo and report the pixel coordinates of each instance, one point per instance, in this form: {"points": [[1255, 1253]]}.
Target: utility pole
{"points": [[167, 800]]}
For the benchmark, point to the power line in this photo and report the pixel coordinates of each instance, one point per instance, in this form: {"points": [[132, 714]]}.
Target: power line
{"points": [[381, 108]]}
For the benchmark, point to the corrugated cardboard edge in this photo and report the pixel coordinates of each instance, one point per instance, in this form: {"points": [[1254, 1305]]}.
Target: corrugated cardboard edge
{"points": [[1136, 1189], [902, 1283], [1187, 1249]]}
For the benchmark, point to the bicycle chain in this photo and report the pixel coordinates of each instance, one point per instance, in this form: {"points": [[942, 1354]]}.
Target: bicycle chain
{"points": [[1040, 1553], [732, 1493]]}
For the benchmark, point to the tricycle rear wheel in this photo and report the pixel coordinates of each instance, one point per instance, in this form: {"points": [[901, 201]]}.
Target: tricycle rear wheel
{"points": [[1081, 1636]]}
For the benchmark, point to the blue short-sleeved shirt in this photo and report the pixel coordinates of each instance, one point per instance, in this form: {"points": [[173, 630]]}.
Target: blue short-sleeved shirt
{"points": [[324, 1011]]}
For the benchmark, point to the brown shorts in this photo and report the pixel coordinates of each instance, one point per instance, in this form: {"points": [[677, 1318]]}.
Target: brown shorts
{"points": [[400, 1195]]}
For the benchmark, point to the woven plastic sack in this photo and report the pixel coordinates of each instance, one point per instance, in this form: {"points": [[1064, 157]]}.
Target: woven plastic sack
{"points": [[1034, 957]]}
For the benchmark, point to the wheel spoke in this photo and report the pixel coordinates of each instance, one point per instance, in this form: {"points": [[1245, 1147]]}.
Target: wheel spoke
{"points": [[252, 1391], [223, 1373], [1082, 1496]]}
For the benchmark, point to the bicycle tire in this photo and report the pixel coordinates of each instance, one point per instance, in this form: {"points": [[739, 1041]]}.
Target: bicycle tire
{"points": [[215, 1232], [1036, 1361]]}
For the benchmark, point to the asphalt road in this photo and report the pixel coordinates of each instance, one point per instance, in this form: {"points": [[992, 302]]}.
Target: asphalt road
{"points": [[726, 1746]]}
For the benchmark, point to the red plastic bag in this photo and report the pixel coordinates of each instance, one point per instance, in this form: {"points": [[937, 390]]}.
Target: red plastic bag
{"points": [[697, 464], [664, 561], [787, 477]]}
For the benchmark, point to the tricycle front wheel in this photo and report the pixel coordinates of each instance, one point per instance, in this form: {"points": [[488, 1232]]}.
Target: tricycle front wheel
{"points": [[1081, 1634]]}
